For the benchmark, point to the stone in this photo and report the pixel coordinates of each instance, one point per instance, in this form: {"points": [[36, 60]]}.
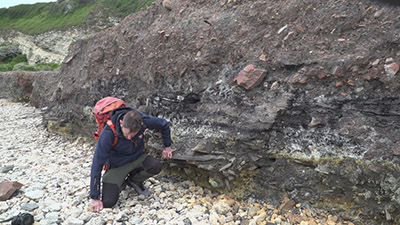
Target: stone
{"points": [[168, 4], [9, 51], [250, 77], [278, 220], [261, 217], [253, 211], [287, 204], [74, 221], [392, 69], [29, 206], [35, 195], [221, 207], [8, 188], [7, 168], [163, 195], [187, 221], [3, 206], [136, 220]]}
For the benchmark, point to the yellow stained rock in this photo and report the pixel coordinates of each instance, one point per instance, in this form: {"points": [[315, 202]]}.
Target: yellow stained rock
{"points": [[311, 222], [309, 212], [261, 211], [333, 218], [230, 202], [278, 220], [261, 217], [270, 207]]}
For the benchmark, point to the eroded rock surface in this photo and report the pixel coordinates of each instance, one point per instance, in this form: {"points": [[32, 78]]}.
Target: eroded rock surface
{"points": [[321, 127]]}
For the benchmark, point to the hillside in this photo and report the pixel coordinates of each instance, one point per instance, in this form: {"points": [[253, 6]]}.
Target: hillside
{"points": [[44, 31], [266, 99], [88, 14]]}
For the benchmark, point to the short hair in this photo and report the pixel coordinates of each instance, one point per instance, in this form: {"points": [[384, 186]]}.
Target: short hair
{"points": [[133, 121]]}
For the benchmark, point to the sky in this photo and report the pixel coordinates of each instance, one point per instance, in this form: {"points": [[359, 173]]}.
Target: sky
{"points": [[8, 3]]}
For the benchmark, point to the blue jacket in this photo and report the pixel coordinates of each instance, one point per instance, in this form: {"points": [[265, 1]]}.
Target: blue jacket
{"points": [[125, 151]]}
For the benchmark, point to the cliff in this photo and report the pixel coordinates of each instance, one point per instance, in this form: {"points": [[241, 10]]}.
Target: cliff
{"points": [[266, 99], [50, 47]]}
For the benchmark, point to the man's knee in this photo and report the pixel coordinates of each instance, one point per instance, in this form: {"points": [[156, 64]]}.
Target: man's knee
{"points": [[152, 165], [110, 195]]}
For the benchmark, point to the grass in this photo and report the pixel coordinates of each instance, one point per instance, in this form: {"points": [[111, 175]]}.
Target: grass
{"points": [[20, 62], [41, 17]]}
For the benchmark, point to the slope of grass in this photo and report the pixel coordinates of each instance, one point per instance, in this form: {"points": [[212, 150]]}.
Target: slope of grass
{"points": [[41, 17]]}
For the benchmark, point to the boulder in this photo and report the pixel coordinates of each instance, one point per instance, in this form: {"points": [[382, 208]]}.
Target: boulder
{"points": [[250, 77]]}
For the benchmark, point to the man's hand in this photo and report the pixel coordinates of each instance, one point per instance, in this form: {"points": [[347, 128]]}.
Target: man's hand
{"points": [[167, 153], [97, 205]]}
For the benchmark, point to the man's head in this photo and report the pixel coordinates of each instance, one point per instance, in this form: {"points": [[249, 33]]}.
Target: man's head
{"points": [[131, 124]]}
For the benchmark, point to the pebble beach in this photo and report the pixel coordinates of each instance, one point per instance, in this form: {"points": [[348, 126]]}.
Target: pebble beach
{"points": [[55, 175]]}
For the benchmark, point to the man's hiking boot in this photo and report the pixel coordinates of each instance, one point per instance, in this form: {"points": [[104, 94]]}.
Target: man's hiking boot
{"points": [[139, 187]]}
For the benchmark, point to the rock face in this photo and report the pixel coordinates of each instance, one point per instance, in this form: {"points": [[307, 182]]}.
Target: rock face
{"points": [[49, 47], [321, 126], [36, 88], [8, 51]]}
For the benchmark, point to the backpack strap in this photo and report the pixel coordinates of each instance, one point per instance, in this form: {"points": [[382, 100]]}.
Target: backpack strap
{"points": [[112, 126]]}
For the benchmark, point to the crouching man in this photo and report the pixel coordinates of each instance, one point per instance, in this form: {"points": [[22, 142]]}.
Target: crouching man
{"points": [[126, 161]]}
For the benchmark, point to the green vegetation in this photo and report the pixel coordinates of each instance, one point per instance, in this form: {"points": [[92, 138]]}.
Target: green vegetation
{"points": [[122, 8], [20, 62], [47, 66], [41, 17], [17, 59]]}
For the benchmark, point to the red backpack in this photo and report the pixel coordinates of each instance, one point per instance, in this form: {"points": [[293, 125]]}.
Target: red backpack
{"points": [[102, 111]]}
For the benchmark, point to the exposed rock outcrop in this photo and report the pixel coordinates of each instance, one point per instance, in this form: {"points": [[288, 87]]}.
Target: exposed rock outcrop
{"points": [[321, 127], [49, 47], [8, 51]]}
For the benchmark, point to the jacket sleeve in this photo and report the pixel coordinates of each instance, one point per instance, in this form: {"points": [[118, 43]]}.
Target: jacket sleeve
{"points": [[103, 148], [155, 123]]}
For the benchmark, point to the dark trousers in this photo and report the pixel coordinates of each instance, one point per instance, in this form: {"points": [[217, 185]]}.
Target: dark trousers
{"points": [[141, 171]]}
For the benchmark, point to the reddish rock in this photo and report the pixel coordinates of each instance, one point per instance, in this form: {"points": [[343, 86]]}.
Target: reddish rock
{"points": [[8, 188], [392, 68], [250, 77], [287, 204], [350, 82], [339, 84]]}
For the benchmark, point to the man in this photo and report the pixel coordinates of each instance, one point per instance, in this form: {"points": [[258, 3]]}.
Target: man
{"points": [[126, 160]]}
